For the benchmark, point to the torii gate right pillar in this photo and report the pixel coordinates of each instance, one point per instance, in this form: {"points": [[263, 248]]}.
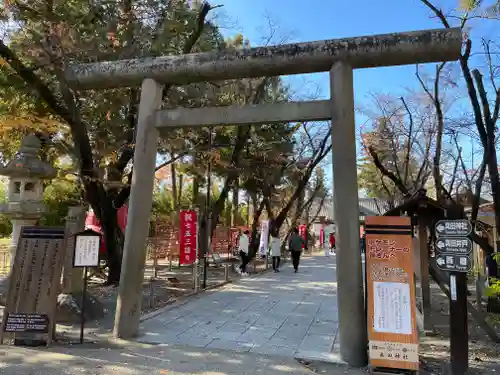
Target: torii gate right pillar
{"points": [[350, 295]]}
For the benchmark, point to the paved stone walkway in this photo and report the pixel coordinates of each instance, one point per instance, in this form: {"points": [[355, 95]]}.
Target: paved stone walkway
{"points": [[281, 314]]}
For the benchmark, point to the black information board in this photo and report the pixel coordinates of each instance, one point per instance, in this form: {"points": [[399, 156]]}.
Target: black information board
{"points": [[30, 323]]}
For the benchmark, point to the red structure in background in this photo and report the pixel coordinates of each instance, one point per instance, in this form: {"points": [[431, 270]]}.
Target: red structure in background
{"points": [[221, 239], [165, 241], [303, 233], [91, 222], [165, 236]]}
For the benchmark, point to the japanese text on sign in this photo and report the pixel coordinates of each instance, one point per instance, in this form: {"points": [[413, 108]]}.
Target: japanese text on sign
{"points": [[87, 250], [384, 272], [33, 323], [459, 242], [453, 228], [384, 248], [35, 278], [456, 225], [392, 313], [382, 350], [187, 236]]}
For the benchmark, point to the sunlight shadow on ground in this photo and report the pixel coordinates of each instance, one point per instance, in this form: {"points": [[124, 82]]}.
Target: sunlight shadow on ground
{"points": [[285, 314], [147, 360]]}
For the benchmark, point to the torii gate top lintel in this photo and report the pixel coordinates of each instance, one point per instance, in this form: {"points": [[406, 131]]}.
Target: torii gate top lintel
{"points": [[359, 52]]}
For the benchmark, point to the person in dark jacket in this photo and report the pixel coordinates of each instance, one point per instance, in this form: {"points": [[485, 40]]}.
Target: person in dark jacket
{"points": [[295, 245]]}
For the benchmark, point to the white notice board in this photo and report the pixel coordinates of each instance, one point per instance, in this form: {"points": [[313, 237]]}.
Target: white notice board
{"points": [[86, 251], [392, 313]]}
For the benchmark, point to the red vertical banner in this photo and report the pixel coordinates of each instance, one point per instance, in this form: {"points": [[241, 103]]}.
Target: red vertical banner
{"points": [[188, 230], [322, 236], [303, 232]]}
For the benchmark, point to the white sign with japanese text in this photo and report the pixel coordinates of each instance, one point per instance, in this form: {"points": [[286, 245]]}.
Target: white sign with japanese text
{"points": [[392, 313], [87, 250]]}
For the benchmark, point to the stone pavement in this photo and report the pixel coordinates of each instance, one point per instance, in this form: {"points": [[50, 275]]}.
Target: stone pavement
{"points": [[278, 314], [139, 359]]}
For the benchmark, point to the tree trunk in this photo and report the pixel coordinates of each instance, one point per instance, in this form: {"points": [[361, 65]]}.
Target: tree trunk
{"points": [[301, 210], [173, 175], [248, 209], [280, 219], [235, 219], [228, 214], [181, 187], [113, 238], [196, 191], [218, 207], [254, 245], [255, 206]]}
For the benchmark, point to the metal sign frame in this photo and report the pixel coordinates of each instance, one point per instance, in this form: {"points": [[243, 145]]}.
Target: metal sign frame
{"points": [[81, 237]]}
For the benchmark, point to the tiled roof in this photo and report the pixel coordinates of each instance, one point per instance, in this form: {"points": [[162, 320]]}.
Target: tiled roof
{"points": [[367, 207]]}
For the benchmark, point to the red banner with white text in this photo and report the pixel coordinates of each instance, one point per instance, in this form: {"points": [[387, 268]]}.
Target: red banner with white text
{"points": [[188, 229]]}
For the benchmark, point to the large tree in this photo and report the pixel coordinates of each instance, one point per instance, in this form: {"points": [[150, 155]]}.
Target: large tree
{"points": [[479, 119], [483, 95], [49, 35]]}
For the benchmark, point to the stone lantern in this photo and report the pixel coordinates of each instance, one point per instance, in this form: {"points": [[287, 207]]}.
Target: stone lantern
{"points": [[26, 173]]}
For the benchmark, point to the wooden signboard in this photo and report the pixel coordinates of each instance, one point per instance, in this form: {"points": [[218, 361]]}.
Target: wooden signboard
{"points": [[34, 285], [392, 325]]}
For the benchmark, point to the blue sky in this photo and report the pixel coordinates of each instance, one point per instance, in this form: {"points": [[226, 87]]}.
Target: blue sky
{"points": [[300, 21]]}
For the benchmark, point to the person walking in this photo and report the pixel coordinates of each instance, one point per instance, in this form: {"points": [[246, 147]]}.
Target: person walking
{"points": [[332, 242], [275, 250], [295, 244], [243, 246]]}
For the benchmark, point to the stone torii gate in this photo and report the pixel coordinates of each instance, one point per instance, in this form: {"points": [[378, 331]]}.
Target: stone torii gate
{"points": [[338, 56]]}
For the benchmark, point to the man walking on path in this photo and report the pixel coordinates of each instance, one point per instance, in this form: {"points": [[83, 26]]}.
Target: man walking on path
{"points": [[295, 244], [243, 246]]}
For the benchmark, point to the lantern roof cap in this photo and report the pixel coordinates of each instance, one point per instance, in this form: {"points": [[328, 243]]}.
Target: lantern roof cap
{"points": [[26, 163]]}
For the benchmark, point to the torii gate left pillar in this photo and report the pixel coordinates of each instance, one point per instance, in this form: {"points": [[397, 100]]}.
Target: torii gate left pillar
{"points": [[128, 305]]}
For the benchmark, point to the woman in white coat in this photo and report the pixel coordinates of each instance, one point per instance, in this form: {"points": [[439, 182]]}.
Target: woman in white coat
{"points": [[275, 250]]}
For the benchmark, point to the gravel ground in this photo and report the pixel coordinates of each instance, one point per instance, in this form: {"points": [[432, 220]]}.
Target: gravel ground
{"points": [[484, 355]]}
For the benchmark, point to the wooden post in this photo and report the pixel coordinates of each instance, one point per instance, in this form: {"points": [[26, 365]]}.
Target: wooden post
{"points": [[424, 272], [72, 278]]}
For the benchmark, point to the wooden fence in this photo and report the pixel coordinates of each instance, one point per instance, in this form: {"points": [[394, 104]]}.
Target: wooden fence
{"points": [[163, 242]]}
